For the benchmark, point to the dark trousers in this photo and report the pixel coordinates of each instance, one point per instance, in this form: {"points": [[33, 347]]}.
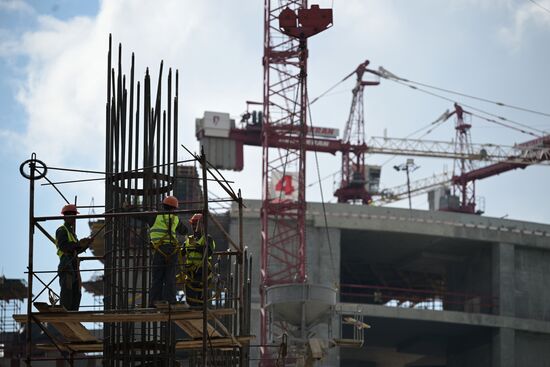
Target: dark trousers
{"points": [[69, 281], [163, 284], [193, 288]]}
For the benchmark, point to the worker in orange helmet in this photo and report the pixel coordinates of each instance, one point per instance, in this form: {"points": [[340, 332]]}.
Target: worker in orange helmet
{"points": [[68, 248], [194, 250], [166, 247]]}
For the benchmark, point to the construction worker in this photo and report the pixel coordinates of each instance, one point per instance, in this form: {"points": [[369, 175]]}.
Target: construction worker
{"points": [[68, 248], [166, 249], [459, 111], [194, 250]]}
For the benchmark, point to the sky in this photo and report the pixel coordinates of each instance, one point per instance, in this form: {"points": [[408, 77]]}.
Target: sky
{"points": [[53, 88]]}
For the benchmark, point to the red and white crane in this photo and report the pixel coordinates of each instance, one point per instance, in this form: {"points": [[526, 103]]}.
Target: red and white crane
{"points": [[287, 26], [353, 148], [283, 136]]}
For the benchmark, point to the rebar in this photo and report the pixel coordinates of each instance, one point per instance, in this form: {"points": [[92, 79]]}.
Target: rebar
{"points": [[132, 196], [130, 187]]}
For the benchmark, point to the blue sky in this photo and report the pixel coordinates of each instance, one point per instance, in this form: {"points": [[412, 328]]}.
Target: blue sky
{"points": [[52, 90]]}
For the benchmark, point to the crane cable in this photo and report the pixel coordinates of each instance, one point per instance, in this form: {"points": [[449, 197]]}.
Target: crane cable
{"points": [[432, 126], [405, 82], [332, 264], [540, 6], [501, 104], [331, 88], [479, 110]]}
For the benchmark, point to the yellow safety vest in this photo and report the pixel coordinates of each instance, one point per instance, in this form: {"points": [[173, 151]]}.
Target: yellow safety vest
{"points": [[160, 231], [194, 249], [72, 239]]}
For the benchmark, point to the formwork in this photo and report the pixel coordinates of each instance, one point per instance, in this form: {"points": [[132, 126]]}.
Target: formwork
{"points": [[141, 169]]}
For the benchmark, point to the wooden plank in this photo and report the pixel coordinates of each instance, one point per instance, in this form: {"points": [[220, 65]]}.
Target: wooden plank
{"points": [[72, 331], [194, 328], [214, 342], [219, 343], [350, 343], [224, 330], [81, 332], [189, 329], [77, 347], [140, 315]]}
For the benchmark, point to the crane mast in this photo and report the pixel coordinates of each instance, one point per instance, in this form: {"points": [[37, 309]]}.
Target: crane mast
{"points": [[462, 188], [287, 25], [352, 185]]}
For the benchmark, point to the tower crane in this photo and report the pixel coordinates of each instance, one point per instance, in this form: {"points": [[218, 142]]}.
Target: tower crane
{"points": [[287, 26], [283, 130], [353, 182]]}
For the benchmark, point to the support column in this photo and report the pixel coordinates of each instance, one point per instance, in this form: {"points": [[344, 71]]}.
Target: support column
{"points": [[504, 290], [504, 348], [504, 278]]}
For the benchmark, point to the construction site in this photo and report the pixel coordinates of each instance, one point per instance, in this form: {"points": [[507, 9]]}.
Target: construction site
{"points": [[290, 281]]}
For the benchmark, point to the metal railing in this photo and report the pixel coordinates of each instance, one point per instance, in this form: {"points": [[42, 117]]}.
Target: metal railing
{"points": [[425, 299]]}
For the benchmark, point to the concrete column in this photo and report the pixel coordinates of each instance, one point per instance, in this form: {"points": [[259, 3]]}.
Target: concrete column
{"points": [[504, 348], [504, 290], [504, 278]]}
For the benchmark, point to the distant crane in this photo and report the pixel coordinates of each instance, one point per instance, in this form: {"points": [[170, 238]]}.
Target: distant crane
{"points": [[463, 189], [353, 182]]}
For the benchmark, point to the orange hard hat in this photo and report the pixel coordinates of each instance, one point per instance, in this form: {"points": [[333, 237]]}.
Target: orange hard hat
{"points": [[197, 217], [69, 208], [171, 201]]}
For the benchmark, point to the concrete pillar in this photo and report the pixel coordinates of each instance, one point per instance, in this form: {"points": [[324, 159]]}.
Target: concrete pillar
{"points": [[504, 348], [504, 278], [504, 290]]}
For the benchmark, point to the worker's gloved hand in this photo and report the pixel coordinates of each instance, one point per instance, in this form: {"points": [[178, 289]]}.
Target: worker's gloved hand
{"points": [[85, 243]]}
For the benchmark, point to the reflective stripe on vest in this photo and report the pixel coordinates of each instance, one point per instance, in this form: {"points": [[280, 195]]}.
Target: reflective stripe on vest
{"points": [[160, 232], [72, 239], [194, 249]]}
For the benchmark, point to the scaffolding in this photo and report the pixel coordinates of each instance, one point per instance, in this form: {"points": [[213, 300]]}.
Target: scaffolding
{"points": [[141, 169], [12, 294]]}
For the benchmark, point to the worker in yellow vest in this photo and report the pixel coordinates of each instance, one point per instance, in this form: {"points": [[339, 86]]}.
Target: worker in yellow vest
{"points": [[68, 248], [194, 250], [166, 248]]}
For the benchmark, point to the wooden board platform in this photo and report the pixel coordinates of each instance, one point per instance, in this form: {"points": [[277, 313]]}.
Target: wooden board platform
{"points": [[349, 343], [137, 315], [77, 338], [71, 331], [217, 342]]}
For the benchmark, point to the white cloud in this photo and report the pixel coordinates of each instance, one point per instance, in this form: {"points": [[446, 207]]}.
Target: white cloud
{"points": [[64, 90], [16, 6], [368, 18], [525, 16]]}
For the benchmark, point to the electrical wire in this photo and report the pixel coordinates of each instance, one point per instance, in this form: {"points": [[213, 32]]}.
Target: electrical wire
{"points": [[540, 6]]}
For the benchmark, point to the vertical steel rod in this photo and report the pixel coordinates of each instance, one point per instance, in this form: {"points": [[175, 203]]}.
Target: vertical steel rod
{"points": [[32, 167], [204, 257]]}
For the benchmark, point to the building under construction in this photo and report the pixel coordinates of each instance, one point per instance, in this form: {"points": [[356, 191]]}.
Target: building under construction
{"points": [[437, 288], [293, 283]]}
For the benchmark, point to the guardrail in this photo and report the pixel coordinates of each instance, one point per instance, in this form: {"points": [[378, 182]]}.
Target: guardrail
{"points": [[418, 298]]}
